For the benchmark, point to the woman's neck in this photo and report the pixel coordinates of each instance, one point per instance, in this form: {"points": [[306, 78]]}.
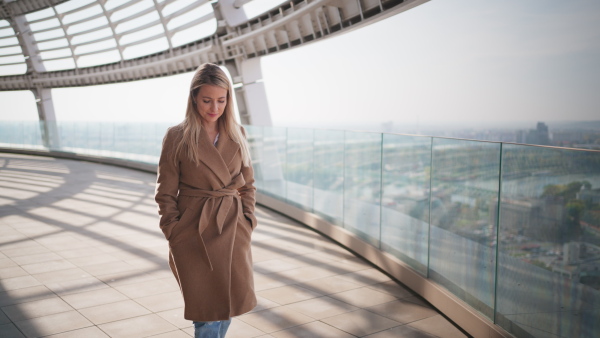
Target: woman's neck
{"points": [[211, 128]]}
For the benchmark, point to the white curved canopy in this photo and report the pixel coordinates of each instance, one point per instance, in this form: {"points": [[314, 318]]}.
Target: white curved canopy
{"points": [[55, 43]]}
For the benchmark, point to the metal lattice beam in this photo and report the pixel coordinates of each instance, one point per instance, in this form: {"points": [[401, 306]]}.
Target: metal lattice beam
{"points": [[292, 24]]}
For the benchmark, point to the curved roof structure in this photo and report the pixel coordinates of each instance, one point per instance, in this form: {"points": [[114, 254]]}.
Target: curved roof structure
{"points": [[57, 43]]}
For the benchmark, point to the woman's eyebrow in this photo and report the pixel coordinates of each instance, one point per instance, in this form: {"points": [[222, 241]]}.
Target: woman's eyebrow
{"points": [[208, 97]]}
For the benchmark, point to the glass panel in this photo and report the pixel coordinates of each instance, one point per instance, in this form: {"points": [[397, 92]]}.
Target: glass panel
{"points": [[362, 185], [21, 134], [273, 160], [299, 168], [464, 200], [255, 141], [405, 203], [329, 175], [549, 263]]}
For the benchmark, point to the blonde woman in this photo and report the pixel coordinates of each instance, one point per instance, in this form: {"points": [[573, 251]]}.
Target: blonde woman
{"points": [[205, 194]]}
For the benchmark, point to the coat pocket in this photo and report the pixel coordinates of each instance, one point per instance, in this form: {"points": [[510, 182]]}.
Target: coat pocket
{"points": [[182, 219]]}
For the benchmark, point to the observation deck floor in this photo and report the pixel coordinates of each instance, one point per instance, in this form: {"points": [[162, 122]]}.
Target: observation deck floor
{"points": [[81, 255]]}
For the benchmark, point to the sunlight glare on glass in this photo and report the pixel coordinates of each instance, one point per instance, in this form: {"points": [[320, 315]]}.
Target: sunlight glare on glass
{"points": [[82, 15], [46, 24], [177, 5], [92, 36], [190, 16], [143, 34], [254, 8], [137, 22], [94, 47], [44, 13], [146, 48], [194, 33], [87, 25], [131, 10], [53, 65], [99, 58], [53, 44], [71, 5]]}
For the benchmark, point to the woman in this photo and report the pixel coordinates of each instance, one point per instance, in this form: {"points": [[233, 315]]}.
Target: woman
{"points": [[205, 194]]}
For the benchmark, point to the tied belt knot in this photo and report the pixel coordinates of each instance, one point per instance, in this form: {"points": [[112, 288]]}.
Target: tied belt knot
{"points": [[218, 202]]}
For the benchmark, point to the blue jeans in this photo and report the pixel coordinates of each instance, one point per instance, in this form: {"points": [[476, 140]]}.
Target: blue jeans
{"points": [[211, 329]]}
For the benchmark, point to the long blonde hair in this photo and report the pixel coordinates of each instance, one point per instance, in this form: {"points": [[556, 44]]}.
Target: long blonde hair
{"points": [[210, 74]]}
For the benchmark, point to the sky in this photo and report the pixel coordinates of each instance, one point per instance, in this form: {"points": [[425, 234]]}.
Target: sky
{"points": [[464, 63]]}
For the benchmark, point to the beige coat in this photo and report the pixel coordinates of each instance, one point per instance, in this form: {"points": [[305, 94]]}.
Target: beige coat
{"points": [[207, 215]]}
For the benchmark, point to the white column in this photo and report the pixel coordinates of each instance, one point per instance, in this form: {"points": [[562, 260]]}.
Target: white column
{"points": [[45, 107], [255, 95]]}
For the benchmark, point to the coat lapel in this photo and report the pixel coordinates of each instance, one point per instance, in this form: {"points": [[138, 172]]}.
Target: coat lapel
{"points": [[211, 157], [226, 147]]}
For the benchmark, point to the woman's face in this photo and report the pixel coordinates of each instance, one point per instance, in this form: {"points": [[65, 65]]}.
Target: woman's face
{"points": [[211, 102]]}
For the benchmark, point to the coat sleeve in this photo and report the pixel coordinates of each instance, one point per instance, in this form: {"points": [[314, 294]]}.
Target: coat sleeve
{"points": [[167, 184], [248, 192]]}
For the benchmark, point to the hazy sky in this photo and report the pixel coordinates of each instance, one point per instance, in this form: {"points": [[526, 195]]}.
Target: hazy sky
{"points": [[466, 62]]}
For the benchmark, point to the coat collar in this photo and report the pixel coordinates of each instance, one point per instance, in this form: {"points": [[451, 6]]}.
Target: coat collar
{"points": [[217, 158]]}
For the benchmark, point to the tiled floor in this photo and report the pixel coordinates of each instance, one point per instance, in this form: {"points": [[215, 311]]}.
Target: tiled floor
{"points": [[81, 255]]}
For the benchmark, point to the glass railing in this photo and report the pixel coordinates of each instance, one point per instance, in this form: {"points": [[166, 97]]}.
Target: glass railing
{"points": [[512, 230]]}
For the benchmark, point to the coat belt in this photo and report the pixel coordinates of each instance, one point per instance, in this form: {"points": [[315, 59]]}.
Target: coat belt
{"points": [[219, 202]]}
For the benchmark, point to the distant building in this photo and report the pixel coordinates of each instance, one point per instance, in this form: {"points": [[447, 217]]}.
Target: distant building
{"points": [[539, 135]]}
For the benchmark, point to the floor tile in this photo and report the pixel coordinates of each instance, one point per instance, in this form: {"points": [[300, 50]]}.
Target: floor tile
{"points": [[36, 258], [273, 265], [403, 311], [147, 288], [264, 304], [174, 334], [306, 273], [52, 324], [367, 277], [438, 326], [19, 283], [108, 268], [288, 294], [38, 308], [312, 330], [162, 302], [12, 271], [175, 317], [113, 312], [33, 248], [88, 332], [275, 319], [124, 278], [143, 326], [328, 285], [61, 276], [321, 307], [37, 268], [270, 281], [25, 295], [360, 322], [101, 258], [4, 319], [363, 297], [10, 330], [403, 331], [76, 286], [392, 288], [239, 329], [7, 262], [93, 298]]}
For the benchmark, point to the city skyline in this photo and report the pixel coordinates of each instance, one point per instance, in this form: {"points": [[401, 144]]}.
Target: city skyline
{"points": [[435, 66]]}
